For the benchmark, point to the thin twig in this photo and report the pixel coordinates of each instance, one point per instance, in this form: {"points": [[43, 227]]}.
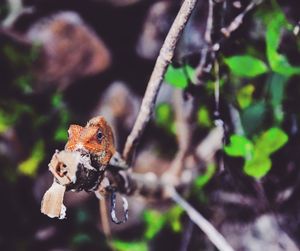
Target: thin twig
{"points": [[151, 185], [217, 88], [187, 236], [239, 19], [208, 53], [209, 22], [207, 50], [15, 36], [104, 218], [16, 8], [185, 113], [162, 62], [210, 145], [215, 237]]}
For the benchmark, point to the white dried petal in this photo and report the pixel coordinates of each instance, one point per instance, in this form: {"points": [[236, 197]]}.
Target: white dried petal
{"points": [[52, 203]]}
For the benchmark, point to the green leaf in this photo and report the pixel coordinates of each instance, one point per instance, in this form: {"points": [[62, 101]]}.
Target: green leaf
{"points": [[190, 71], [129, 246], [30, 166], [253, 117], [9, 117], [276, 87], [57, 100], [271, 140], [61, 133], [258, 167], [239, 146], [277, 84], [176, 77], [20, 57], [24, 82], [244, 96], [154, 223], [6, 121], [82, 216], [204, 178], [204, 117], [246, 66], [164, 117], [80, 239], [279, 63], [163, 114], [174, 216]]}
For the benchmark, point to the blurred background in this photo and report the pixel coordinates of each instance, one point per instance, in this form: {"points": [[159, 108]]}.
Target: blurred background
{"points": [[63, 62]]}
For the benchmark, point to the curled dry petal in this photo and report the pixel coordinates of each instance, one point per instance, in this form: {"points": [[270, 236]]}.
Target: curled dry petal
{"points": [[52, 203]]}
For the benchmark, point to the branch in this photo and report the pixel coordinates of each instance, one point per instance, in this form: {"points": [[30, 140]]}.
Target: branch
{"points": [[16, 8], [151, 185], [203, 65], [209, 22], [210, 145], [156, 79], [239, 19], [185, 113], [215, 237], [208, 53]]}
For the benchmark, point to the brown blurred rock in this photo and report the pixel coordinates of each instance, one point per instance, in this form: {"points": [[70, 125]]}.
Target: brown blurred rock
{"points": [[158, 22], [148, 161], [192, 38], [120, 106], [10, 145], [70, 50], [155, 29], [262, 234]]}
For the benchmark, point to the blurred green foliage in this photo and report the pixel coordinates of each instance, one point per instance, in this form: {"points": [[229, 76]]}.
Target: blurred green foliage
{"points": [[257, 152], [203, 117], [245, 96], [81, 239], [129, 246], [156, 220], [29, 166], [164, 117], [278, 62], [179, 77], [259, 143], [20, 101], [249, 66], [10, 114], [246, 66], [61, 133], [202, 180]]}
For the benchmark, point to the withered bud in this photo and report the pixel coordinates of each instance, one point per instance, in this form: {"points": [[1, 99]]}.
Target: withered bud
{"points": [[72, 170], [52, 203], [63, 166]]}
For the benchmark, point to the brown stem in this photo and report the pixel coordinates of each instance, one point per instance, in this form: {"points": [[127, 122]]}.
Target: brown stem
{"points": [[104, 218]]}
